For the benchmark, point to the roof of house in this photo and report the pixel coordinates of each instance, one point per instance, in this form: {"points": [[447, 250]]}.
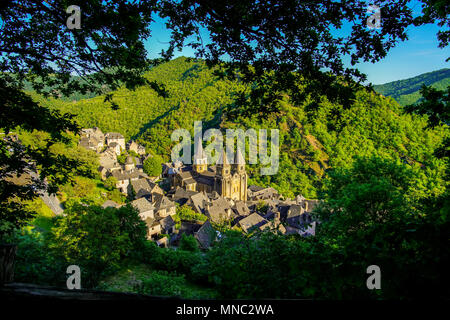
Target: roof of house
{"points": [[191, 177], [162, 202], [311, 204], [110, 204], [252, 221], [310, 230], [295, 210], [217, 211], [241, 208], [129, 160], [205, 235], [254, 188], [189, 227], [182, 196], [119, 175], [198, 201], [142, 205], [262, 193], [144, 186], [114, 135], [150, 222], [167, 222]]}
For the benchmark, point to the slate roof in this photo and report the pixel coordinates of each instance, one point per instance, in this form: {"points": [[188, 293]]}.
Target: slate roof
{"points": [[110, 204], [241, 208], [167, 223], [119, 175], [114, 135], [129, 160], [295, 210], [144, 187], [252, 221], [142, 205], [190, 177], [150, 222], [181, 195], [254, 188], [198, 200], [205, 235], [189, 228], [308, 231], [255, 192], [217, 214], [162, 202], [311, 204]]}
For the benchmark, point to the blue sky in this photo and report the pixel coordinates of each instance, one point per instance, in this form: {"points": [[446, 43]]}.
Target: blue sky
{"points": [[419, 54]]}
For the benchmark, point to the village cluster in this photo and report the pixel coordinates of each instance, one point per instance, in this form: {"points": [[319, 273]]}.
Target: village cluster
{"points": [[218, 192]]}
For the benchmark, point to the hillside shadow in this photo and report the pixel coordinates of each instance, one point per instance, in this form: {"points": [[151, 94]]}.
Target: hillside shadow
{"points": [[151, 123], [192, 72], [215, 121]]}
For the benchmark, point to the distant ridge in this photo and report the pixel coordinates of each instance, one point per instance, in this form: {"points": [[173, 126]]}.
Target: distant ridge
{"points": [[407, 91]]}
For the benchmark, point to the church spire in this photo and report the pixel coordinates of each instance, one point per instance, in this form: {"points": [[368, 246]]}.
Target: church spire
{"points": [[199, 154], [200, 160], [223, 166], [239, 161]]}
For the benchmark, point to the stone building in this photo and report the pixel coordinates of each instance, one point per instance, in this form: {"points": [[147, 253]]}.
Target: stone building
{"points": [[135, 147], [115, 137], [92, 138], [228, 180]]}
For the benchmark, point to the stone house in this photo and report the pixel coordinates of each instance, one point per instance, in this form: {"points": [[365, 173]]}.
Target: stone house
{"points": [[163, 206], [145, 188], [135, 147], [115, 137], [197, 202], [167, 225], [123, 179], [259, 193], [218, 210], [153, 228], [145, 208], [115, 147], [92, 138]]}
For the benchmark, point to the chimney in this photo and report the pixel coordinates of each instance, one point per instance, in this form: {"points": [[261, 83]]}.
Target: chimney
{"points": [[277, 218]]}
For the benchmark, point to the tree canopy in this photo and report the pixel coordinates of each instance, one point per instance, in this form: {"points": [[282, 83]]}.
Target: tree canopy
{"points": [[153, 166]]}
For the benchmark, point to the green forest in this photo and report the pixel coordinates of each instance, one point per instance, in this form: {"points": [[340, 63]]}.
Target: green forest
{"points": [[407, 91], [372, 163]]}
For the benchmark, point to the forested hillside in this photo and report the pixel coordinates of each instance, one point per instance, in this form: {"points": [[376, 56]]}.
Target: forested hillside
{"points": [[407, 91], [312, 138]]}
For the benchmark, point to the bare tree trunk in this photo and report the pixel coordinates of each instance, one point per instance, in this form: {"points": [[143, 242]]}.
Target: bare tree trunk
{"points": [[7, 257]]}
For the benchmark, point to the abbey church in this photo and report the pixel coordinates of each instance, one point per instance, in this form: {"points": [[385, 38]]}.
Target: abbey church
{"points": [[228, 180]]}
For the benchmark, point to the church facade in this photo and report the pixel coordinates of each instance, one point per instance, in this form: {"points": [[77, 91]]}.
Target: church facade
{"points": [[228, 180]]}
